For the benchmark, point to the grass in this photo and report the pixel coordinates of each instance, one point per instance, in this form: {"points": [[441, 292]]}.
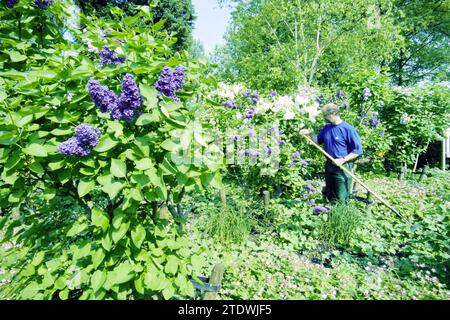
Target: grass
{"points": [[341, 224], [228, 224]]}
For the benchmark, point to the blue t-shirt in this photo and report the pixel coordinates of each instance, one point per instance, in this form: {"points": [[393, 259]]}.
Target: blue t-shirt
{"points": [[340, 140]]}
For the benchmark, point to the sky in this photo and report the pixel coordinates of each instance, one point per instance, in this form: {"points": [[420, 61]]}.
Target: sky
{"points": [[211, 23]]}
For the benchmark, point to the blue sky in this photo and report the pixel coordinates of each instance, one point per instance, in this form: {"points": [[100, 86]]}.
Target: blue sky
{"points": [[211, 23]]}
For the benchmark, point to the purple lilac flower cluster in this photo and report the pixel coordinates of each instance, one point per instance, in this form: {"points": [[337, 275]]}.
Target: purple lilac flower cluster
{"points": [[274, 130], [11, 3], [230, 104], [320, 209], [296, 157], [85, 139], [108, 56], [366, 94], [251, 132], [273, 93], [124, 107], [250, 113], [42, 4], [129, 101], [375, 120], [170, 82], [310, 188], [103, 98], [255, 97], [249, 152], [340, 95]]}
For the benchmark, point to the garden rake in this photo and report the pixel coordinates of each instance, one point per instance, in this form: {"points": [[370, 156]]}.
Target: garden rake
{"points": [[413, 226]]}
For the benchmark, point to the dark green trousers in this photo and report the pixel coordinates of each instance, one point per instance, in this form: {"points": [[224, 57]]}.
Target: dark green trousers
{"points": [[337, 182]]}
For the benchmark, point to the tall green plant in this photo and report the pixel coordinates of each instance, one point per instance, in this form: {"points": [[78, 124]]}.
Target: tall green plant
{"points": [[120, 249]]}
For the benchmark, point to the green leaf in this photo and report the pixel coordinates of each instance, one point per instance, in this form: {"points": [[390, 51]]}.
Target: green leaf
{"points": [[121, 274], [107, 241], [98, 279], [167, 167], [118, 168], [36, 150], [61, 132], [12, 161], [154, 279], [100, 218], [38, 258], [76, 228], [97, 258], [144, 164], [106, 143], [8, 137], [139, 285], [138, 236], [53, 166], [169, 145], [64, 294], [120, 232], [24, 121], [172, 265], [140, 179], [144, 119], [136, 194], [168, 292], [36, 167], [16, 56], [84, 187], [112, 189], [30, 291]]}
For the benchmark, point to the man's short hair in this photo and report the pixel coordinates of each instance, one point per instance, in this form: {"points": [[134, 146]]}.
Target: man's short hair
{"points": [[330, 108]]}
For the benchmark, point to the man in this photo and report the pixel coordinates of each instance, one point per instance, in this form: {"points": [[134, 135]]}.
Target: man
{"points": [[343, 144]]}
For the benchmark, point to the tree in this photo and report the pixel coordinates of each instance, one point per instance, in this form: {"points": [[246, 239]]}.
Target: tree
{"points": [[425, 28], [196, 49], [178, 15], [306, 42]]}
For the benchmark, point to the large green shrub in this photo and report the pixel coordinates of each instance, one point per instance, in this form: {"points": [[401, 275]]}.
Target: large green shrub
{"points": [[115, 245]]}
